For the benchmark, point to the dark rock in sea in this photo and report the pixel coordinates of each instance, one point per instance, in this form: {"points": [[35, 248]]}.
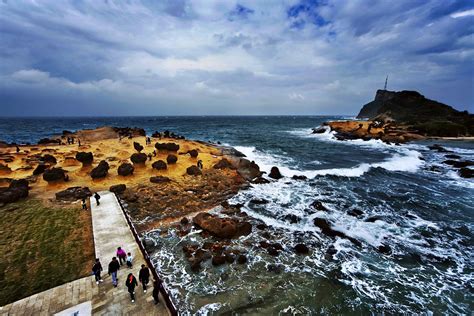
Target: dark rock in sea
{"points": [[260, 180], [40, 169], [248, 169], [73, 194], [54, 174], [218, 260], [193, 171], [466, 172], [276, 268], [129, 131], [101, 170], [355, 212], [459, 164], [17, 189], [258, 201], [272, 251], [195, 266], [261, 226], [385, 249], [85, 158], [452, 156], [301, 249], [264, 244], [319, 130], [167, 146], [327, 230], [434, 168], [171, 159], [159, 165], [373, 219], [47, 141], [439, 148], [118, 188], [241, 259], [137, 146], [295, 177], [223, 164], [138, 158], [319, 206], [66, 132], [193, 153], [5, 168], [222, 227], [160, 179], [125, 169], [275, 173], [48, 159], [292, 218], [230, 258], [184, 221]]}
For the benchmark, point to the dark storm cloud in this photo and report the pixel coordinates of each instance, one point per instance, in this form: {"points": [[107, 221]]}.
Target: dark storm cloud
{"points": [[230, 57]]}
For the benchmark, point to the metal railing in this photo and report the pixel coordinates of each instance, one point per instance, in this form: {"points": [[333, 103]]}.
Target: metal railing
{"points": [[164, 292]]}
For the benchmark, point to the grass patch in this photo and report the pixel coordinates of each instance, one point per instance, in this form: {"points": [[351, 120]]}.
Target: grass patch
{"points": [[42, 246]]}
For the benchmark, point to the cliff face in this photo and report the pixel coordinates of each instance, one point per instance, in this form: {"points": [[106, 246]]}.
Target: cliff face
{"points": [[429, 117]]}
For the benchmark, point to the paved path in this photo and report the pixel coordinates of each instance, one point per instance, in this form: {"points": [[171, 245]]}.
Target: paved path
{"points": [[110, 231]]}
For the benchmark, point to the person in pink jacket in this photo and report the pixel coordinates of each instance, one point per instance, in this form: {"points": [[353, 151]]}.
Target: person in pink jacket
{"points": [[122, 255]]}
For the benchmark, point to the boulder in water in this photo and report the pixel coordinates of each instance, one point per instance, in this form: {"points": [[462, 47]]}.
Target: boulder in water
{"points": [[275, 173], [159, 165], [319, 130], [248, 169], [101, 170], [301, 249], [125, 169], [327, 230], [222, 227], [296, 177], [241, 259], [139, 158], [355, 212], [319, 206], [466, 172]]}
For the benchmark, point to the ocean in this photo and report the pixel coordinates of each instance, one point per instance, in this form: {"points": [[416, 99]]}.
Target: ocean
{"points": [[426, 218]]}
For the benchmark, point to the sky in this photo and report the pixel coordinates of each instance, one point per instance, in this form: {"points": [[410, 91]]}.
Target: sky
{"points": [[203, 57]]}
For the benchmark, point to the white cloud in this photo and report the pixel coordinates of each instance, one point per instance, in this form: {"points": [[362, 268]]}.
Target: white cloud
{"points": [[462, 14]]}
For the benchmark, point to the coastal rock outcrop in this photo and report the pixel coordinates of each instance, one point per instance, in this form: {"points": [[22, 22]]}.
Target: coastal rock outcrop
{"points": [[327, 230], [222, 227], [125, 169], [138, 158], [54, 174], [223, 164], [193, 171], [85, 158], [159, 165], [101, 170], [466, 172], [248, 169], [73, 194], [17, 189]]}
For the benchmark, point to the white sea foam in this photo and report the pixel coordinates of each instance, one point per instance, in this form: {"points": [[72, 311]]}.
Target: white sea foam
{"points": [[405, 160]]}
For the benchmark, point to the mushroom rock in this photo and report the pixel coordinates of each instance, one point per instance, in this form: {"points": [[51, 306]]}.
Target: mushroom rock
{"points": [[40, 169], [125, 169], [171, 159], [85, 157], [54, 174], [167, 146], [193, 171], [101, 170], [48, 159], [137, 146], [159, 165], [18, 189], [139, 158]]}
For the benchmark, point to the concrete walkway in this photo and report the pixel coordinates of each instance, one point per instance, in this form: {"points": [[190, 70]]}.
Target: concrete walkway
{"points": [[110, 231]]}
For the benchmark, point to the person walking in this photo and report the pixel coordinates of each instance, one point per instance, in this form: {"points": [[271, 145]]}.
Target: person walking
{"points": [[114, 266], [130, 284], [156, 291], [84, 204], [97, 269], [97, 198], [144, 276], [129, 260], [122, 255]]}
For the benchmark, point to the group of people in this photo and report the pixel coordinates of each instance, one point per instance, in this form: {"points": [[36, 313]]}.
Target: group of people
{"points": [[131, 282], [84, 201], [70, 141]]}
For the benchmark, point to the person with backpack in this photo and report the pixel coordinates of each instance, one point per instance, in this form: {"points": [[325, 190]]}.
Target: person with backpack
{"points": [[114, 266], [84, 204], [96, 270], [130, 284], [144, 276]]}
